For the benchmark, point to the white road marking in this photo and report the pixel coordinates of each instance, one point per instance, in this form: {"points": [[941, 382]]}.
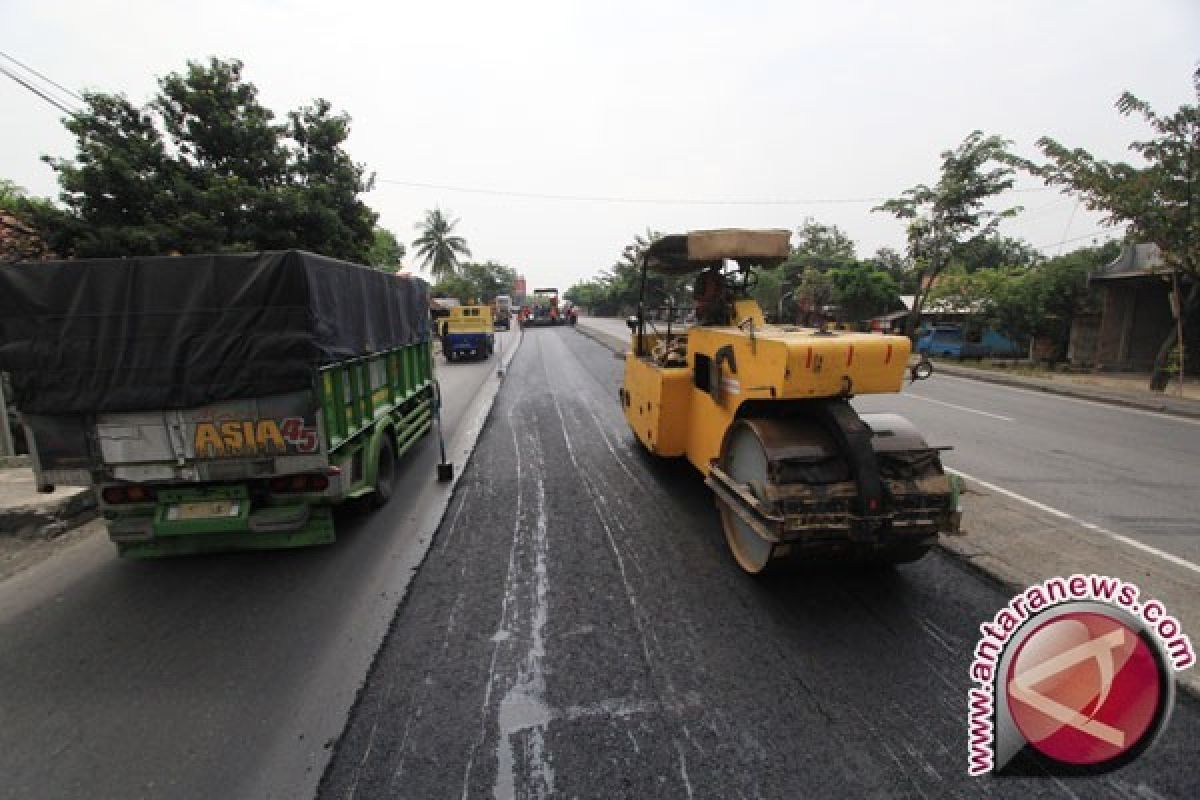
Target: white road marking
{"points": [[1110, 406], [960, 408], [1091, 526]]}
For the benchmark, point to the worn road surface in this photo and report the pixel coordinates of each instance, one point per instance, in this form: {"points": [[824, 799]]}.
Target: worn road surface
{"points": [[578, 630]]}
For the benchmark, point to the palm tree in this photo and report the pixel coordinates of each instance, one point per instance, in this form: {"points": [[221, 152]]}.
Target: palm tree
{"points": [[437, 248]]}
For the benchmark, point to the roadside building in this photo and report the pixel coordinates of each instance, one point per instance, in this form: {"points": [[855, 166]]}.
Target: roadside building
{"points": [[1135, 313]]}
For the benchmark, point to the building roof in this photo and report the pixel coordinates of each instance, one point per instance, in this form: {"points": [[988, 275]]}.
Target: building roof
{"points": [[1135, 261], [942, 306]]}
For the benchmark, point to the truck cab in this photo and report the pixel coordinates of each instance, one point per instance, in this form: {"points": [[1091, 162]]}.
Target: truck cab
{"points": [[468, 333], [503, 311]]}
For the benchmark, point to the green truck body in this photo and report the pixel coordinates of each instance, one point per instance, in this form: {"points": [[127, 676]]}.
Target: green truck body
{"points": [[258, 469]]}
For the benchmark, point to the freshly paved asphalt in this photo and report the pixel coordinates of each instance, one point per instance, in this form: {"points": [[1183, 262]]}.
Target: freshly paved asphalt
{"points": [[211, 677], [578, 630]]}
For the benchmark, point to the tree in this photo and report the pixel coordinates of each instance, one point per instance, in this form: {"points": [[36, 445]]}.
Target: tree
{"points": [[386, 252], [820, 245], [437, 246], [898, 266], [1158, 201], [591, 295], [616, 289], [812, 294], [818, 248], [455, 286], [205, 168], [862, 292], [997, 251], [945, 218], [488, 279], [1042, 300], [19, 239]]}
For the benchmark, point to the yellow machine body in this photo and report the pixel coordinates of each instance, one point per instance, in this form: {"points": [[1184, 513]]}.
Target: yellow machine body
{"points": [[763, 412], [674, 410]]}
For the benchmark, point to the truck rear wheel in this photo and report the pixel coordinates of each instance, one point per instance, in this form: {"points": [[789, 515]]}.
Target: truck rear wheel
{"points": [[385, 473]]}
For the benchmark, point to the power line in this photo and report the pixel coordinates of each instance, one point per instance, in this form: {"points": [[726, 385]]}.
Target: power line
{"points": [[51, 81], [38, 92], [1096, 232], [661, 201]]}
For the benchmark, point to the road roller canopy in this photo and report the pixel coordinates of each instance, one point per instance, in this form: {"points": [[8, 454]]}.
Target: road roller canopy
{"points": [[681, 253]]}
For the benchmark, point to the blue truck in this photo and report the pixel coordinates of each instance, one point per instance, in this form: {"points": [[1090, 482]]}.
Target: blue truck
{"points": [[951, 341], [468, 333]]}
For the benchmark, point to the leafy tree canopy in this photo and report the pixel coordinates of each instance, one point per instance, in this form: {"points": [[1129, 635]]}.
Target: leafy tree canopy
{"points": [[386, 251], [861, 292], [1157, 200], [477, 283], [951, 215], [818, 245], [204, 167], [437, 246], [615, 290], [19, 237]]}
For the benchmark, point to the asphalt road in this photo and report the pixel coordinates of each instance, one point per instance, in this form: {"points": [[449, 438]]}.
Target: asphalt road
{"points": [[1133, 472], [206, 677], [578, 630]]}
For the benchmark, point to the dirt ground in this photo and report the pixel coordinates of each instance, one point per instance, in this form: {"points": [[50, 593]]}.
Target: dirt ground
{"points": [[18, 553]]}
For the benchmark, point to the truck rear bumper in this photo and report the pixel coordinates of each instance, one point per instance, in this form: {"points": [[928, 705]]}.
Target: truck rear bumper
{"points": [[267, 528]]}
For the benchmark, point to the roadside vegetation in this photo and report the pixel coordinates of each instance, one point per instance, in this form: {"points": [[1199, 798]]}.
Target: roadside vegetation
{"points": [[204, 166], [955, 254]]}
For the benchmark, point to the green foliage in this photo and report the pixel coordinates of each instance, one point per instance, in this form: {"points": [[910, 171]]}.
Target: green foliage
{"points": [[901, 269], [385, 252], [489, 279], [437, 246], [861, 292], [592, 295], [1158, 201], [1040, 300], [819, 245], [996, 251], [455, 286], [21, 240], [205, 168], [477, 283], [950, 216], [813, 292], [614, 291], [769, 291]]}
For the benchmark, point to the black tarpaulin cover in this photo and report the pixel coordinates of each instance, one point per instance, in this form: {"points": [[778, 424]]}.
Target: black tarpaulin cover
{"points": [[179, 332]]}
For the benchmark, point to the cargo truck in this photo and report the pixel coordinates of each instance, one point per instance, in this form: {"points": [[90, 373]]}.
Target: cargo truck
{"points": [[219, 402], [468, 333]]}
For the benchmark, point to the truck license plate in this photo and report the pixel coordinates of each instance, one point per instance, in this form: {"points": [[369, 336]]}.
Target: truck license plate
{"points": [[205, 510]]}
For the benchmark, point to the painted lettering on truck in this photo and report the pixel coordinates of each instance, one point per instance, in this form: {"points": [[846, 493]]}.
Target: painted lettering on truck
{"points": [[263, 437]]}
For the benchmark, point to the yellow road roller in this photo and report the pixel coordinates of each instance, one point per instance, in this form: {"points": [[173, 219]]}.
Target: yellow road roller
{"points": [[763, 411]]}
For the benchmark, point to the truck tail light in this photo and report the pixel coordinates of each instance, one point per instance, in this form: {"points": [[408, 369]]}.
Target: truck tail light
{"points": [[299, 483], [133, 493]]}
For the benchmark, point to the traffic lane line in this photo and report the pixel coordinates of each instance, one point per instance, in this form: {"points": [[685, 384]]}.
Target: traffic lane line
{"points": [[1054, 395], [960, 408], [1091, 526]]}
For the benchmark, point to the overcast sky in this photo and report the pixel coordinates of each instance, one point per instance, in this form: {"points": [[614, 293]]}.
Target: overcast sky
{"points": [[694, 115]]}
